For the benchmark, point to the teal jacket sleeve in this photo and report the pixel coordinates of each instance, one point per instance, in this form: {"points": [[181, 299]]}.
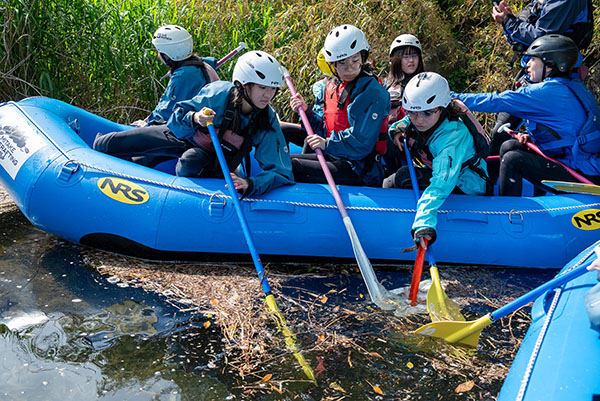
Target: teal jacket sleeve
{"points": [[451, 145], [369, 106], [273, 157], [213, 96]]}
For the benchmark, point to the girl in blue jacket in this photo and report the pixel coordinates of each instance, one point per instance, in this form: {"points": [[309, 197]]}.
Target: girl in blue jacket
{"points": [[559, 114], [442, 145], [188, 72], [241, 113], [351, 132]]}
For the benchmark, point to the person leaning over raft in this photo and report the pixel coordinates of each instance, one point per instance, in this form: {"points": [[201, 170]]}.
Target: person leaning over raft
{"points": [[441, 142], [560, 114], [354, 115], [187, 75], [241, 112]]}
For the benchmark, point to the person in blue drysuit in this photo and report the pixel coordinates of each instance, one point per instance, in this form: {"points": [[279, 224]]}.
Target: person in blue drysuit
{"points": [[573, 18], [241, 112], [442, 143], [187, 75], [351, 132], [554, 115]]}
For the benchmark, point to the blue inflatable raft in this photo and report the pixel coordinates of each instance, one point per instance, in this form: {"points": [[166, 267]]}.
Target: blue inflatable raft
{"points": [[559, 358], [66, 188]]}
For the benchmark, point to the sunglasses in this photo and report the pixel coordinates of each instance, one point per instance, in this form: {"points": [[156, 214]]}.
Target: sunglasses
{"points": [[426, 113]]}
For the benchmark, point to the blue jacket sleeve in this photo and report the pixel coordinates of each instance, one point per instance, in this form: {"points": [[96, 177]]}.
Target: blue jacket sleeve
{"points": [[451, 145], [213, 96], [557, 16], [273, 157], [369, 106]]}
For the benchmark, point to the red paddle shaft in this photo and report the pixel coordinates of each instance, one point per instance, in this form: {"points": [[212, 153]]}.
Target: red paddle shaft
{"points": [[417, 271]]}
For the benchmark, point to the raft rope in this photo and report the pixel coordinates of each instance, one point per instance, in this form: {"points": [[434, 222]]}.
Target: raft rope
{"points": [[219, 194], [540, 339]]}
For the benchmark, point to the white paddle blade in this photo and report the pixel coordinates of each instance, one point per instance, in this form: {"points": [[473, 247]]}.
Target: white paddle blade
{"points": [[379, 295]]}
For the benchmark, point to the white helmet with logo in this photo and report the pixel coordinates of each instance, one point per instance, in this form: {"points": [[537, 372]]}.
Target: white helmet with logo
{"points": [[174, 41], [405, 40], [426, 91], [258, 67], [344, 41]]}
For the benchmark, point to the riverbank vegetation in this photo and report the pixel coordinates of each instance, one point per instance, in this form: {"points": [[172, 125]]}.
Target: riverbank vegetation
{"points": [[98, 54]]}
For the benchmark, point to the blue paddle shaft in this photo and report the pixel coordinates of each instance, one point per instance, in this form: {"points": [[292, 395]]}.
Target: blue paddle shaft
{"points": [[536, 292], [238, 209]]}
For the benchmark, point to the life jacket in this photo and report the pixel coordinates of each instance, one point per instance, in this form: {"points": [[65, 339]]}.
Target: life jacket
{"points": [[480, 141], [235, 143], [588, 137], [396, 112], [335, 111]]}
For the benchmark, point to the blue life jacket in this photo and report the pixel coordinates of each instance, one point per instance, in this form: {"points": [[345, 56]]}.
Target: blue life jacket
{"points": [[588, 137]]}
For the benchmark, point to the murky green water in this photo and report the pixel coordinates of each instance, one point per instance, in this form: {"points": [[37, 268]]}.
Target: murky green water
{"points": [[68, 334]]}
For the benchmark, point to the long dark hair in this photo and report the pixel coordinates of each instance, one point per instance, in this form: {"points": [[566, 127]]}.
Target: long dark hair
{"points": [[193, 59], [396, 75], [260, 119]]}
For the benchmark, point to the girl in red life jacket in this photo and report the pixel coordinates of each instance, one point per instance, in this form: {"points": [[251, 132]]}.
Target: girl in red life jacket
{"points": [[354, 116], [406, 61]]}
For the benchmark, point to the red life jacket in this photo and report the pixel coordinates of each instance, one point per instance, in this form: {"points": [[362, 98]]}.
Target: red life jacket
{"points": [[335, 112]]}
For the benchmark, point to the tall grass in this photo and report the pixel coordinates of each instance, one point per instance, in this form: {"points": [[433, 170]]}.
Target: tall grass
{"points": [[97, 54]]}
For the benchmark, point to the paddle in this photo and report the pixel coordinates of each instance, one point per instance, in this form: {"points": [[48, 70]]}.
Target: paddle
{"points": [[379, 295], [467, 333], [439, 306], [290, 339], [232, 53], [417, 272], [574, 187], [537, 150]]}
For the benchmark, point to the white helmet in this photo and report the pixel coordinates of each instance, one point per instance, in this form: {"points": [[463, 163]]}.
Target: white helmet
{"points": [[426, 91], [344, 41], [405, 40], [174, 41], [258, 67]]}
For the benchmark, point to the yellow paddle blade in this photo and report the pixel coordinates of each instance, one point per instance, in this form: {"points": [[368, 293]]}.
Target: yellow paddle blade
{"points": [[439, 306], [290, 338], [466, 333]]}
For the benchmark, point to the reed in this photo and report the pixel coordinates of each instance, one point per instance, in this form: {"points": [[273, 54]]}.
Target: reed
{"points": [[97, 54]]}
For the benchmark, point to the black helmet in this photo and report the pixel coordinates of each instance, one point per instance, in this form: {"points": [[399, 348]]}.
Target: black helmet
{"points": [[557, 49]]}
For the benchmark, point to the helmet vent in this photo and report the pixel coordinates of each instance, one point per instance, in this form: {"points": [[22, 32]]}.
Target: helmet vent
{"points": [[430, 100], [260, 74], [353, 44]]}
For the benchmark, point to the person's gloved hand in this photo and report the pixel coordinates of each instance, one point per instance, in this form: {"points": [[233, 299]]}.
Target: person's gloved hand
{"points": [[425, 232]]}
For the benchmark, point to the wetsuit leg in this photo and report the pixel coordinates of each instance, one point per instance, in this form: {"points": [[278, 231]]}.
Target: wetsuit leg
{"points": [[518, 162], [193, 162], [401, 178], [306, 168], [153, 142]]}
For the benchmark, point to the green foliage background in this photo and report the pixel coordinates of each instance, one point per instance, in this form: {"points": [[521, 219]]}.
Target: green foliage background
{"points": [[97, 54]]}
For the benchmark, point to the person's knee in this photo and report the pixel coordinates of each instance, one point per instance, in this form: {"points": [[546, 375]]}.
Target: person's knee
{"points": [[192, 163], [101, 142], [400, 179]]}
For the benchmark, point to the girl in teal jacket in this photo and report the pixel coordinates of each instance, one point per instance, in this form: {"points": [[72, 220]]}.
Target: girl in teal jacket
{"points": [[443, 146]]}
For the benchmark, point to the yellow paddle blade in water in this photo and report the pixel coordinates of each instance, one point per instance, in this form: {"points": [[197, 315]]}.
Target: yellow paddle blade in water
{"points": [[466, 333], [290, 338], [439, 306]]}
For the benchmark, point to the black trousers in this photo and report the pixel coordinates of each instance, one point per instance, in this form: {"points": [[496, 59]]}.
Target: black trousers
{"points": [[153, 144], [306, 168], [518, 162]]}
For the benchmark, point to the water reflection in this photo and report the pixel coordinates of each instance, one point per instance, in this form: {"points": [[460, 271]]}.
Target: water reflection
{"points": [[67, 333]]}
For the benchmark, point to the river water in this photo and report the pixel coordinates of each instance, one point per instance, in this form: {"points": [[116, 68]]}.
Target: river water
{"points": [[67, 333]]}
